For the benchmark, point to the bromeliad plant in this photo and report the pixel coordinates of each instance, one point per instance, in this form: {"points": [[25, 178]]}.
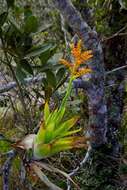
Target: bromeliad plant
{"points": [[55, 133]]}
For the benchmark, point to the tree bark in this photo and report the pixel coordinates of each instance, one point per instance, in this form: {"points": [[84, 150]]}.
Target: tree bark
{"points": [[95, 89]]}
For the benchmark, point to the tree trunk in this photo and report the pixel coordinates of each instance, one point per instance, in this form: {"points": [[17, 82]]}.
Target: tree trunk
{"points": [[95, 89]]}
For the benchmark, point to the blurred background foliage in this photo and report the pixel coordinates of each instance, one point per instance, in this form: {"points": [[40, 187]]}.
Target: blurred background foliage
{"points": [[33, 39]]}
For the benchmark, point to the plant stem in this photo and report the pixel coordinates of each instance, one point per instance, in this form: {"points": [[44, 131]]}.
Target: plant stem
{"points": [[68, 92], [21, 95]]}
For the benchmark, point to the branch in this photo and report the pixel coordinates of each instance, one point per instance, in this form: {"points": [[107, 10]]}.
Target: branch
{"points": [[64, 31], [118, 33], [75, 20], [6, 169], [84, 84], [27, 81], [86, 11], [78, 83], [82, 163], [116, 69]]}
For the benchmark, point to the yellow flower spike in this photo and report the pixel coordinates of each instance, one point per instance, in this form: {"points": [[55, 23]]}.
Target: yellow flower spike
{"points": [[86, 55], [71, 46], [79, 58], [66, 63], [79, 45], [82, 72], [41, 134], [76, 52]]}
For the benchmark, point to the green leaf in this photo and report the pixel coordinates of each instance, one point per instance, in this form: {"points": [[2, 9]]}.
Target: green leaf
{"points": [[60, 74], [16, 27], [51, 117], [48, 91], [26, 66], [65, 127], [13, 36], [31, 25], [36, 51], [0, 32], [27, 12], [3, 18], [67, 143], [4, 146], [60, 115], [45, 56], [46, 111], [68, 133], [2, 137], [42, 150], [18, 10], [55, 60], [10, 3], [49, 132], [51, 78], [20, 74], [40, 137], [44, 28], [61, 144]]}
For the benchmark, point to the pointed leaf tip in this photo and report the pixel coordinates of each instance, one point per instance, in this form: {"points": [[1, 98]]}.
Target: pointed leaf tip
{"points": [[46, 111]]}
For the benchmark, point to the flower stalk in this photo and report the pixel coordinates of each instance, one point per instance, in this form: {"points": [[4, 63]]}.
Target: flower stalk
{"points": [[68, 92]]}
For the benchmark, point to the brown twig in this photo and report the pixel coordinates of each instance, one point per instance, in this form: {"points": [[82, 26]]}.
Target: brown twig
{"points": [[21, 95], [118, 33]]}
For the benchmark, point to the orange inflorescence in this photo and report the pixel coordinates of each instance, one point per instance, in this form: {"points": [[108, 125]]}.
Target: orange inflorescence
{"points": [[79, 58], [82, 72], [66, 63]]}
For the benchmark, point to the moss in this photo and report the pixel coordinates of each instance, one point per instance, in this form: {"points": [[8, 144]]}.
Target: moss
{"points": [[102, 172]]}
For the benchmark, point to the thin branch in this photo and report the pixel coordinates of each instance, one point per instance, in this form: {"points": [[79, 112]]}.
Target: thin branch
{"points": [[82, 163], [116, 69], [27, 81], [78, 83], [6, 169], [118, 33], [21, 94], [64, 30]]}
